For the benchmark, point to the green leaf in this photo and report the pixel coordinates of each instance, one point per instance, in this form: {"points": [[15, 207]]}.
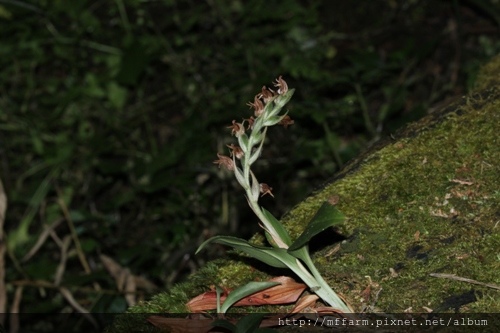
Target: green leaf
{"points": [[4, 13], [265, 330], [243, 142], [256, 154], [273, 120], [20, 235], [117, 95], [269, 110], [249, 323], [218, 291], [275, 257], [244, 291], [327, 216], [255, 187], [224, 324], [133, 63], [257, 125], [282, 233], [281, 100], [238, 173], [301, 253]]}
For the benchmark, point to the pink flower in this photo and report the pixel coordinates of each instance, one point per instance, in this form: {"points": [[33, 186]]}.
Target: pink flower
{"points": [[265, 189], [225, 161], [236, 151], [236, 128], [286, 121], [266, 94], [281, 85], [257, 105]]}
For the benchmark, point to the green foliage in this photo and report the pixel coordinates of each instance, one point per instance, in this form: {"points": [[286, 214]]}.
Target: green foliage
{"points": [[275, 257], [247, 324], [327, 216], [244, 291]]}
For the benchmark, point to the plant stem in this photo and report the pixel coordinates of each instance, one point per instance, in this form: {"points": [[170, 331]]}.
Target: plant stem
{"points": [[325, 292], [294, 260], [364, 110]]}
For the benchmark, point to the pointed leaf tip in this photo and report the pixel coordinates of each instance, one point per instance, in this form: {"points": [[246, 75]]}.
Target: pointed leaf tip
{"points": [[244, 291], [326, 216]]}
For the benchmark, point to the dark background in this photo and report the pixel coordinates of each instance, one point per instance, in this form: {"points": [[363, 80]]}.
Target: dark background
{"points": [[111, 113]]}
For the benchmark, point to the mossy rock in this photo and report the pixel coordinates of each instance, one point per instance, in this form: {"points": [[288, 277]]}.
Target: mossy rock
{"points": [[423, 201]]}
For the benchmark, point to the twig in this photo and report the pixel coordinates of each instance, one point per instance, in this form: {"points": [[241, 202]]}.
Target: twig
{"points": [[14, 309], [50, 285], [71, 300], [41, 240], [459, 278], [76, 240], [61, 268]]}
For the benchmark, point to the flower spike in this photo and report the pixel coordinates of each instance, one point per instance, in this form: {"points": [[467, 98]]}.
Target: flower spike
{"points": [[282, 253]]}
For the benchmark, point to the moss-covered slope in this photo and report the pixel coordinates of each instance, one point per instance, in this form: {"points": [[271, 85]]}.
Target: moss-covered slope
{"points": [[423, 201]]}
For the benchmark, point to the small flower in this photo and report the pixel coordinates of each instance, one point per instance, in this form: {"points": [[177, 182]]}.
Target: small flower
{"points": [[257, 105], [265, 189], [225, 161], [286, 121], [250, 122], [236, 151], [236, 128], [281, 85], [266, 94]]}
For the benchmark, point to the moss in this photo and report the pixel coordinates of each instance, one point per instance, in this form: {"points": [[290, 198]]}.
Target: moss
{"points": [[488, 75], [176, 298], [422, 202], [425, 203]]}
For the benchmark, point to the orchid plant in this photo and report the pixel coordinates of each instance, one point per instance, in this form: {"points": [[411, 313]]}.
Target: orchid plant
{"points": [[282, 252]]}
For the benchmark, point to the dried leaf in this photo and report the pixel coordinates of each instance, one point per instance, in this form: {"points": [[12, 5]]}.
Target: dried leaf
{"points": [[199, 324], [111, 266], [244, 291], [462, 182], [329, 309], [61, 268], [143, 283], [287, 292], [182, 325], [130, 289], [41, 239], [125, 280], [307, 301], [80, 309], [205, 301], [365, 294]]}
